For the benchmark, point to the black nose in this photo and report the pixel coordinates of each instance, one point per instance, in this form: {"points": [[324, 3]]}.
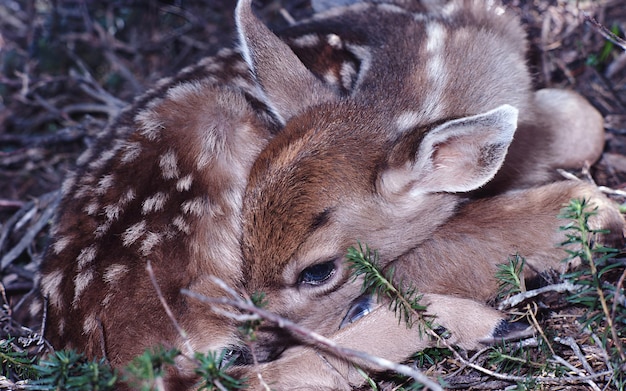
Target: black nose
{"points": [[268, 344]]}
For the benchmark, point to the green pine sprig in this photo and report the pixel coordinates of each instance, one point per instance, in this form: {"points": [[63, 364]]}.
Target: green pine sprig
{"points": [[404, 302]]}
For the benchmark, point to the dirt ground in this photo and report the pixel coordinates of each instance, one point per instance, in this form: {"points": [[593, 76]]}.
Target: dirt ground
{"points": [[68, 66]]}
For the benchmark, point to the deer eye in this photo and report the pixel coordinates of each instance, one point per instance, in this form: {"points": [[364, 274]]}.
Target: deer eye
{"points": [[317, 274]]}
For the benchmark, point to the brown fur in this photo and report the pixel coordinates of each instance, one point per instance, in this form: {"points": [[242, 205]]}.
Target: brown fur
{"points": [[163, 185]]}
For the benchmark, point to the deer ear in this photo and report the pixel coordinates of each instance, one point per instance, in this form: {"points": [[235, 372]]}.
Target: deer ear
{"points": [[458, 156], [288, 85]]}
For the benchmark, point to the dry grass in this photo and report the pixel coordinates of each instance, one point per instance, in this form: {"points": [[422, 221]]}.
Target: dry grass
{"points": [[69, 66]]}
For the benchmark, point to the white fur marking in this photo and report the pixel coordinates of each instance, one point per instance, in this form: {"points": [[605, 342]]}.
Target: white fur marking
{"points": [[154, 203], [196, 206], [50, 286], [307, 40], [184, 183], [407, 121], [90, 325], [81, 282], [151, 240], [86, 256], [114, 273], [130, 152], [180, 223], [169, 165], [133, 233], [334, 41], [60, 244]]}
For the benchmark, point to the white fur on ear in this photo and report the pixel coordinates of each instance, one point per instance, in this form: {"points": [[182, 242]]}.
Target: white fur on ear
{"points": [[460, 155], [288, 86]]}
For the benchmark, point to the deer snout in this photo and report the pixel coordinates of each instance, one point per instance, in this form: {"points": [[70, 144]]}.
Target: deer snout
{"points": [[271, 342]]}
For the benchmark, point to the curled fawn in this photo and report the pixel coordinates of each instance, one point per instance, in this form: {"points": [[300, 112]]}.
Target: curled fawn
{"points": [[430, 111], [383, 139]]}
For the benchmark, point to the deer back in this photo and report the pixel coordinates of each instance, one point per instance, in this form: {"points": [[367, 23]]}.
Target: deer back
{"points": [[162, 185]]}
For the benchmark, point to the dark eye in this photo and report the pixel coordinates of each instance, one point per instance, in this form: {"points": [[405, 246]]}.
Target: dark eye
{"points": [[317, 274]]}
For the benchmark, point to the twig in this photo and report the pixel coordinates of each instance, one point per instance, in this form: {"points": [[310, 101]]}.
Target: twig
{"points": [[606, 33], [531, 312], [319, 340], [572, 368], [28, 238], [168, 311], [569, 341], [514, 300]]}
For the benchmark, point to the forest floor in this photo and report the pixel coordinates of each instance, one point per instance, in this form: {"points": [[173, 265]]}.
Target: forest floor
{"points": [[67, 67]]}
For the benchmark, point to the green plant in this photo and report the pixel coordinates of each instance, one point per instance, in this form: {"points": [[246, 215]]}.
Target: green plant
{"points": [[598, 291], [146, 371], [510, 277], [15, 362], [404, 301], [212, 370], [68, 370]]}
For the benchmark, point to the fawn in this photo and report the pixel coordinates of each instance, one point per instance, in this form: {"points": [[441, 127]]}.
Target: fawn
{"points": [[438, 134], [165, 182]]}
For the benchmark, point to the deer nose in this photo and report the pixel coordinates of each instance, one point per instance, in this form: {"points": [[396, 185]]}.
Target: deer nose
{"points": [[360, 307], [271, 342]]}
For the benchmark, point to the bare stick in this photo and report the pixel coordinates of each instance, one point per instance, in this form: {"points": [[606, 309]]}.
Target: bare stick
{"points": [[569, 341], [319, 340], [521, 297], [168, 311], [572, 368], [606, 33]]}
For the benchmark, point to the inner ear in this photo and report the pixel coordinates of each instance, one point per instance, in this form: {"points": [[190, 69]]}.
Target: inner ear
{"points": [[457, 156]]}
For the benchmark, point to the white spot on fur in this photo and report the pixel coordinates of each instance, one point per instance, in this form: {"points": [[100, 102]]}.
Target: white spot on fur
{"points": [[90, 325], [102, 229], [133, 233], [435, 70], [50, 286], [127, 197], [60, 244], [184, 183], [105, 184], [182, 91], [86, 256], [151, 240], [391, 8], [407, 121], [92, 208], [196, 206], [307, 40], [61, 326], [114, 273], [130, 152], [112, 212], [334, 41], [68, 183], [154, 203], [331, 78], [103, 159], [81, 282], [149, 123], [169, 165], [180, 223]]}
